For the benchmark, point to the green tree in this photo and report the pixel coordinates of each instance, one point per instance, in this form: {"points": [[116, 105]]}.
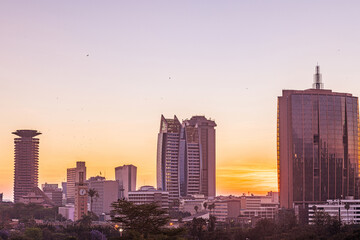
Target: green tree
{"points": [[85, 221], [196, 207], [205, 205], [211, 207], [33, 233], [197, 228], [93, 193], [144, 218], [347, 207]]}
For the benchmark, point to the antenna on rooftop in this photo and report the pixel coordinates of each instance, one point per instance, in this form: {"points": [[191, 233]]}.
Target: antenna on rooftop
{"points": [[317, 79]]}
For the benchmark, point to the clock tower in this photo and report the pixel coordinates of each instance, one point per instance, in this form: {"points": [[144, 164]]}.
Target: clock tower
{"points": [[81, 197]]}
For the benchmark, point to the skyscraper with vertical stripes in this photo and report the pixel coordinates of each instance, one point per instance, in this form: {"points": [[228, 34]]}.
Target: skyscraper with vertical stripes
{"points": [[186, 157]]}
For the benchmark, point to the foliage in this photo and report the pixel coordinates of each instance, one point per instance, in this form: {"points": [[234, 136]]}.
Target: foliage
{"points": [[97, 235], [93, 193], [196, 207], [4, 234], [28, 211], [33, 233], [197, 228], [205, 205], [145, 218]]}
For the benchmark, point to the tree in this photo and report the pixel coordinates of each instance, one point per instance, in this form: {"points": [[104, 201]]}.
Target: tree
{"points": [[212, 223], [205, 205], [33, 233], [197, 228], [85, 221], [196, 207], [211, 207], [144, 218], [93, 193], [347, 207]]}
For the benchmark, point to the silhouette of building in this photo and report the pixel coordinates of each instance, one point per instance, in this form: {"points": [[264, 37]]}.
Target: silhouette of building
{"points": [[126, 177], [186, 157], [317, 145], [26, 162], [72, 178]]}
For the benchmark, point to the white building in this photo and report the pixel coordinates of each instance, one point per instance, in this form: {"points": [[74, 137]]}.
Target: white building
{"points": [[126, 176], [187, 204], [336, 207], [67, 212], [148, 194]]}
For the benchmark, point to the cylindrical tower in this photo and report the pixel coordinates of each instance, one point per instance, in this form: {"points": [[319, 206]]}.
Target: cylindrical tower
{"points": [[26, 162]]}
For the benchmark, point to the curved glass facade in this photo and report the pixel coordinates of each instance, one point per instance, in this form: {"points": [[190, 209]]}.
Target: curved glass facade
{"points": [[318, 139]]}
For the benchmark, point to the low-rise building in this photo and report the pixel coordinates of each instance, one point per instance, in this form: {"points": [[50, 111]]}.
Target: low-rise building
{"points": [[35, 195], [260, 206], [187, 204], [53, 192], [148, 194], [338, 207], [107, 194], [67, 211]]}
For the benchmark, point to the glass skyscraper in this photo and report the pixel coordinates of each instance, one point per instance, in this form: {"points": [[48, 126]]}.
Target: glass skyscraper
{"points": [[317, 145]]}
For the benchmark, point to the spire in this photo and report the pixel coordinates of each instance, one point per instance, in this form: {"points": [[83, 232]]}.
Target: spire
{"points": [[317, 79]]}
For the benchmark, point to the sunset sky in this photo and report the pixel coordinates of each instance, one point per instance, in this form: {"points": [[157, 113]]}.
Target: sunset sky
{"points": [[95, 76]]}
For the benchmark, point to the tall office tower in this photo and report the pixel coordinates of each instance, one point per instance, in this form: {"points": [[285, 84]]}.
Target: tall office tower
{"points": [[126, 177], [81, 194], [317, 145], [186, 157], [26, 162], [168, 157], [72, 178], [200, 156]]}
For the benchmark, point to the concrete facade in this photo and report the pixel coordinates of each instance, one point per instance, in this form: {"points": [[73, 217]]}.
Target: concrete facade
{"points": [[26, 158], [108, 193], [126, 177]]}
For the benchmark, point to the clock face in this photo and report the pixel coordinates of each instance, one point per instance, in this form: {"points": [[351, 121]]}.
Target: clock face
{"points": [[82, 192]]}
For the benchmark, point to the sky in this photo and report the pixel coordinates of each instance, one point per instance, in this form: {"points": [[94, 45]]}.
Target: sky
{"points": [[95, 76]]}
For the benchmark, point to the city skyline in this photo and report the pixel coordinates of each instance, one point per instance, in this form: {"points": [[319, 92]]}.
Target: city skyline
{"points": [[95, 77]]}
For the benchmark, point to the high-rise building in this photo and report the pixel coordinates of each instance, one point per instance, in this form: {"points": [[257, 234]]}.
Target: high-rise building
{"points": [[317, 145], [200, 156], [126, 177], [72, 178], [186, 157], [26, 162], [168, 157]]}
